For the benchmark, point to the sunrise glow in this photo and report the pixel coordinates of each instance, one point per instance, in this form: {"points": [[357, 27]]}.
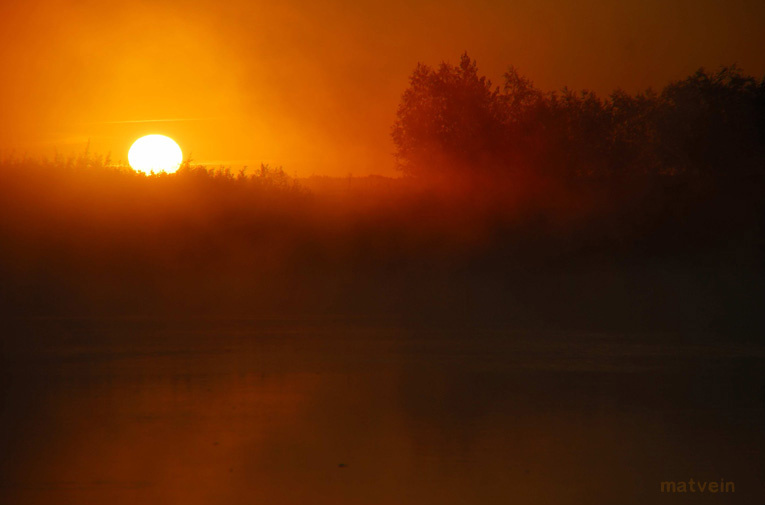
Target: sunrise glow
{"points": [[155, 153]]}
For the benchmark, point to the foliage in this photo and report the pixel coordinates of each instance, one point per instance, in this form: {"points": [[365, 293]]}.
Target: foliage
{"points": [[451, 122], [449, 115]]}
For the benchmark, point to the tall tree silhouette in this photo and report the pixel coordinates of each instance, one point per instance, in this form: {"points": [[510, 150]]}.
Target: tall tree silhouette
{"points": [[449, 120]]}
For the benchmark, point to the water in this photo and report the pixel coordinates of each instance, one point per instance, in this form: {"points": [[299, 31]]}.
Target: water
{"points": [[350, 412]]}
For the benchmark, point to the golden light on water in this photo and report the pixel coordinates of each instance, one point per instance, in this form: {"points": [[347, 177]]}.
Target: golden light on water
{"points": [[155, 153]]}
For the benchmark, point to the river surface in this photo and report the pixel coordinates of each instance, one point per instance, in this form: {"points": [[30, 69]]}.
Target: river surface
{"points": [[278, 412]]}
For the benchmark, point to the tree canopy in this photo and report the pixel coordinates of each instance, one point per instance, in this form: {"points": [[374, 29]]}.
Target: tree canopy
{"points": [[453, 122]]}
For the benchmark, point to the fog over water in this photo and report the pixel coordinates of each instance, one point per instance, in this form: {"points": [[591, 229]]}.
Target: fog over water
{"points": [[351, 411]]}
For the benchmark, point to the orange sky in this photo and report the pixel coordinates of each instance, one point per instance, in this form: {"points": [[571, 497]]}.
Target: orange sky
{"points": [[311, 85]]}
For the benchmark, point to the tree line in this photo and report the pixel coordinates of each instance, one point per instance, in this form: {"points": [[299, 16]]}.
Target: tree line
{"points": [[452, 122]]}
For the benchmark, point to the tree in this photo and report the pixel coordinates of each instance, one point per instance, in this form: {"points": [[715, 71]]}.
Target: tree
{"points": [[449, 120], [713, 124]]}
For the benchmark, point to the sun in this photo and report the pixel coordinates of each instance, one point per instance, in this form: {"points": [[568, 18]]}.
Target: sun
{"points": [[155, 153]]}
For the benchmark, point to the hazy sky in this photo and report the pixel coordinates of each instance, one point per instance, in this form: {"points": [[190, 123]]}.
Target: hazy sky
{"points": [[314, 85]]}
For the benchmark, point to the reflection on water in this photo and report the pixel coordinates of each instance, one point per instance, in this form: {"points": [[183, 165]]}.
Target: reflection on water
{"points": [[277, 413]]}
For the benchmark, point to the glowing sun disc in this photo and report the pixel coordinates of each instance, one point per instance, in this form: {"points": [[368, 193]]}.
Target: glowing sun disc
{"points": [[155, 153]]}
